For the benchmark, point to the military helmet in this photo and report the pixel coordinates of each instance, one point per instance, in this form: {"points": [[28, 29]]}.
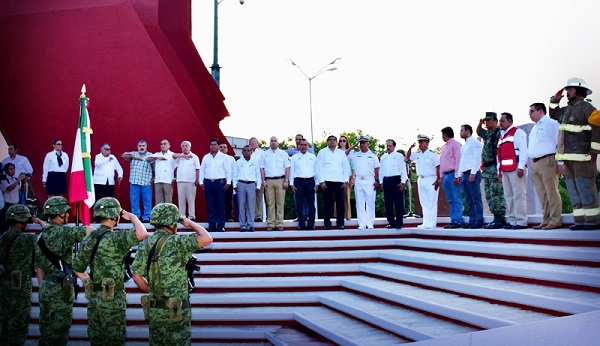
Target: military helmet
{"points": [[18, 213], [56, 205], [164, 214], [578, 82], [107, 207]]}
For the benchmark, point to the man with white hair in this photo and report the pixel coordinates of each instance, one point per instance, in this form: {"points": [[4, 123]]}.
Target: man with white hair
{"points": [[187, 174], [105, 165]]}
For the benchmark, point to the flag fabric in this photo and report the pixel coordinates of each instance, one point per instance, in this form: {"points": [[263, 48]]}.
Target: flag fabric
{"points": [[81, 187]]}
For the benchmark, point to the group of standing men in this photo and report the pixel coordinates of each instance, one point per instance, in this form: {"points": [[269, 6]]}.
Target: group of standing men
{"points": [[564, 142], [159, 268]]}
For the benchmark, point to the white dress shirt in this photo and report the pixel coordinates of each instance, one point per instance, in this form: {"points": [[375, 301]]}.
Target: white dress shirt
{"points": [[393, 164], [51, 164], [470, 156], [186, 168], [164, 169], [426, 163], [216, 167], [11, 196], [333, 165], [247, 170], [303, 166], [543, 138], [104, 169], [365, 164], [520, 144], [22, 164], [232, 166], [274, 162]]}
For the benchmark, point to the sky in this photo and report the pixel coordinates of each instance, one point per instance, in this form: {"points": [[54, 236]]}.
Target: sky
{"points": [[407, 67]]}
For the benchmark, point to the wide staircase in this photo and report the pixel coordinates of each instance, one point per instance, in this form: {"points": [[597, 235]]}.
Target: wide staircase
{"points": [[386, 287]]}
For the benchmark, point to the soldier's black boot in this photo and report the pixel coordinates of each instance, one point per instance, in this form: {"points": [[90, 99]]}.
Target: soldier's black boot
{"points": [[497, 223]]}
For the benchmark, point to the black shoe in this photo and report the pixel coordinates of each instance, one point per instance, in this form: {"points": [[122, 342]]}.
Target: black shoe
{"points": [[192, 219], [519, 227], [327, 228], [221, 229], [476, 226], [341, 227], [577, 228], [466, 225], [453, 226], [251, 229], [591, 227], [243, 230], [390, 226], [258, 219], [212, 229], [494, 225], [508, 227], [311, 228], [300, 228]]}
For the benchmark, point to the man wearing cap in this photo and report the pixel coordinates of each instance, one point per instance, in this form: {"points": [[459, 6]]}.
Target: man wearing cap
{"points": [[493, 188], [333, 170], [512, 171], [578, 146], [366, 166], [393, 171], [428, 169]]}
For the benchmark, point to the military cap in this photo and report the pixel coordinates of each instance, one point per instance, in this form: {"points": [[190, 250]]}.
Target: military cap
{"points": [[362, 138], [164, 214], [491, 115], [108, 207], [18, 213], [56, 205], [422, 137]]}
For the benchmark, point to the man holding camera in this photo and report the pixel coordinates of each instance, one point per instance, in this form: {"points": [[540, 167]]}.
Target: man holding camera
{"points": [[22, 165]]}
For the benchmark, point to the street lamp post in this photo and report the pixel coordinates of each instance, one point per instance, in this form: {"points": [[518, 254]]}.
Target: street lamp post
{"points": [[323, 69], [215, 68]]}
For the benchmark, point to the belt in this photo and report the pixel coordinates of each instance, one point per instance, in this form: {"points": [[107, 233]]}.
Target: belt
{"points": [[161, 304], [541, 157], [305, 179], [273, 178], [392, 177], [467, 172], [490, 163], [119, 286], [214, 180], [246, 182], [449, 172]]}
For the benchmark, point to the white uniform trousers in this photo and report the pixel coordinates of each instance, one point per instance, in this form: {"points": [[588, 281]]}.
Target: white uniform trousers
{"points": [[364, 193], [516, 200], [428, 197]]}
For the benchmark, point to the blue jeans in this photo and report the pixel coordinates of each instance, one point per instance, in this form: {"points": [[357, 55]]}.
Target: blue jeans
{"points": [[473, 196], [454, 198], [215, 202], [145, 193]]}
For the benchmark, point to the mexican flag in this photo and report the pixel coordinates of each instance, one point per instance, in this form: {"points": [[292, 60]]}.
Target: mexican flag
{"points": [[81, 187]]}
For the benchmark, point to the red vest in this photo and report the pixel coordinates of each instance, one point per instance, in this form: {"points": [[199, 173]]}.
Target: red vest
{"points": [[507, 157]]}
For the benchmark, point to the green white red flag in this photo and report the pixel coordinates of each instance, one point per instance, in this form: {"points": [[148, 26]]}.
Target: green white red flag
{"points": [[81, 187]]}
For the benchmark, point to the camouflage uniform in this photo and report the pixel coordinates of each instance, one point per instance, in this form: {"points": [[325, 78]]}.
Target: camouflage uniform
{"points": [[15, 303], [106, 319], [56, 313], [167, 278], [494, 193]]}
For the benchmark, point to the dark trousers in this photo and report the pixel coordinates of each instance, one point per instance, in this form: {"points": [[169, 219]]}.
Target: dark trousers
{"points": [[215, 202], [229, 203], [105, 190], [333, 190], [305, 199], [393, 196], [473, 196]]}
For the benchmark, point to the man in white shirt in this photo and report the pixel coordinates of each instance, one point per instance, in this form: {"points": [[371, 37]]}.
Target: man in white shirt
{"points": [[427, 164], [246, 182], [304, 183], [334, 170], [275, 173], [470, 161], [105, 166], [187, 173], [393, 171], [543, 140], [260, 197], [215, 178], [229, 193], [366, 166], [22, 165], [164, 172], [512, 171]]}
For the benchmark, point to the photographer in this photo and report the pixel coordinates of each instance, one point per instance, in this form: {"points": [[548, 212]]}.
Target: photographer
{"points": [[10, 188]]}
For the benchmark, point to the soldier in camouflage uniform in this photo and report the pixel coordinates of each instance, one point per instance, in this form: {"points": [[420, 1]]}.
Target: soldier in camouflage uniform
{"points": [[494, 193], [55, 296], [16, 267], [168, 308], [104, 286]]}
